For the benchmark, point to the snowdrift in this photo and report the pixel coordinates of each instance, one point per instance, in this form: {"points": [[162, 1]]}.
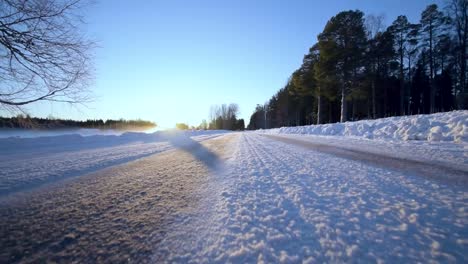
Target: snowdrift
{"points": [[71, 142], [449, 126]]}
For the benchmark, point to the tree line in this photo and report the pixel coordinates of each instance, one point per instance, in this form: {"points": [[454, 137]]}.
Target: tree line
{"points": [[28, 122], [224, 117], [358, 69], [221, 117]]}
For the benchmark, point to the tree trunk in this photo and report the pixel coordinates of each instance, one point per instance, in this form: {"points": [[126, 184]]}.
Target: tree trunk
{"points": [[319, 108], [431, 75], [353, 116], [410, 85], [384, 112], [402, 83], [373, 99], [343, 105], [402, 97]]}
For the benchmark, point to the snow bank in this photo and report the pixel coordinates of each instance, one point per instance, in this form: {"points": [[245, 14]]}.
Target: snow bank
{"points": [[449, 126]]}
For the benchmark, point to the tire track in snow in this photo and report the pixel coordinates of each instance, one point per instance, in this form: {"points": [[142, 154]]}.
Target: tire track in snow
{"points": [[291, 204], [271, 202], [260, 227], [418, 216], [283, 163]]}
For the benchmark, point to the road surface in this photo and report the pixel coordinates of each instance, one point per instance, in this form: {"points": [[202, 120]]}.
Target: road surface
{"points": [[242, 197]]}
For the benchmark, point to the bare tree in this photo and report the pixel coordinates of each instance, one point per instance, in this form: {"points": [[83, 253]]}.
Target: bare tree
{"points": [[44, 56], [223, 116], [374, 24]]}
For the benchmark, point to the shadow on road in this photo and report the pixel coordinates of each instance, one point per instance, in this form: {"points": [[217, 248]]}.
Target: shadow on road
{"points": [[201, 153]]}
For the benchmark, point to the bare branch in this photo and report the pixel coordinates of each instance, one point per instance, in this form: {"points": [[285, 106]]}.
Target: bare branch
{"points": [[44, 56]]}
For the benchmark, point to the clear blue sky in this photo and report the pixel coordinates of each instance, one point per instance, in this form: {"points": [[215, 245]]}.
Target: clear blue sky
{"points": [[168, 61]]}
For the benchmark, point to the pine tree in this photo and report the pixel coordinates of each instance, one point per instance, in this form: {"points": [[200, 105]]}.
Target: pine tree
{"points": [[401, 29], [341, 47], [459, 19], [432, 21], [304, 81]]}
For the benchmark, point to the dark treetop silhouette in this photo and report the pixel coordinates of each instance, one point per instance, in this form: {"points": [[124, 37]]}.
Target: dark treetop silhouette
{"points": [[45, 57]]}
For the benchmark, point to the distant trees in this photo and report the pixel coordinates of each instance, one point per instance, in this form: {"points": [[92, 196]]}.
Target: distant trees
{"points": [[224, 117], [360, 69], [182, 126], [21, 121], [203, 125], [43, 54], [258, 118], [221, 117]]}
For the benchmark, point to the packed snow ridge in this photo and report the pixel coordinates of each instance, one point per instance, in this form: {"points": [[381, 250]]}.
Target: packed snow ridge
{"points": [[448, 126]]}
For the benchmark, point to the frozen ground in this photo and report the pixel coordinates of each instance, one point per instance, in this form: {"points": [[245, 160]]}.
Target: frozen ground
{"points": [[235, 197]]}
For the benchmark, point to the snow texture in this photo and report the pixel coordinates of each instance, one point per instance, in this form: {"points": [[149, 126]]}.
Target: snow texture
{"points": [[116, 215], [217, 197], [448, 154], [277, 203], [449, 126], [31, 162]]}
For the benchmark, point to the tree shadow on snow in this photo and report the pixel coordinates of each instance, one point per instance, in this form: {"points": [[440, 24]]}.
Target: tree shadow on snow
{"points": [[201, 153]]}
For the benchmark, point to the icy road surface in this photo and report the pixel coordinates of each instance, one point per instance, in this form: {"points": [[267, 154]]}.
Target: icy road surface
{"points": [[246, 198]]}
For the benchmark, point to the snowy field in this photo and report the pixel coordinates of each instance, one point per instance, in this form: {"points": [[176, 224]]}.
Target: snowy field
{"points": [[263, 196], [34, 133]]}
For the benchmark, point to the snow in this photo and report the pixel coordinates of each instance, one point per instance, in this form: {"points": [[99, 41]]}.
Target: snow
{"points": [[449, 154], [218, 197], [31, 162], [448, 126], [33, 133], [277, 203]]}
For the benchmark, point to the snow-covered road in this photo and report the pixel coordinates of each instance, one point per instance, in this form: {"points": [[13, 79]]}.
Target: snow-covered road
{"points": [[281, 203], [446, 171], [246, 197]]}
